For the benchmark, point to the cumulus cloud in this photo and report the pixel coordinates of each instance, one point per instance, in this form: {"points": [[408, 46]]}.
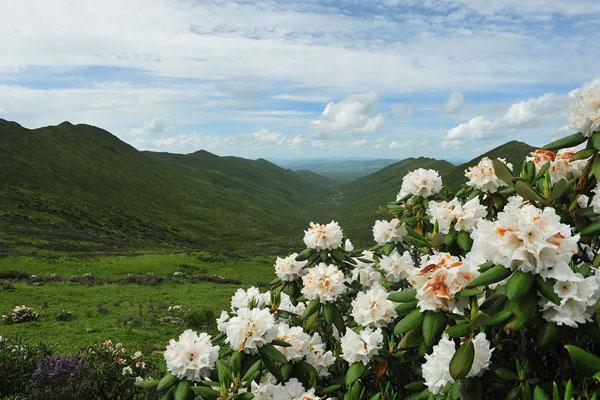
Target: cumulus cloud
{"points": [[535, 111], [475, 129], [267, 137], [547, 110], [356, 113], [455, 103]]}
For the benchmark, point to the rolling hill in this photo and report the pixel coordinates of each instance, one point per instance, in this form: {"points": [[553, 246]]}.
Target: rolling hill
{"points": [[360, 200], [79, 188]]}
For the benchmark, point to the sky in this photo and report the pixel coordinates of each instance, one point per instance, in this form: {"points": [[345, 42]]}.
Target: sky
{"points": [[301, 79]]}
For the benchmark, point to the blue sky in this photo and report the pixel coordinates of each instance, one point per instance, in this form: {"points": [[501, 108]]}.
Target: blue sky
{"points": [[377, 79]]}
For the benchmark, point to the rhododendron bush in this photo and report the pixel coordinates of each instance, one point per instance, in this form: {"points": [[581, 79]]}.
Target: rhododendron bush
{"points": [[491, 291]]}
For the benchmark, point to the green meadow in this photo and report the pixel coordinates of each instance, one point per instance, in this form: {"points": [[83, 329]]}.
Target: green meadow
{"points": [[122, 298]]}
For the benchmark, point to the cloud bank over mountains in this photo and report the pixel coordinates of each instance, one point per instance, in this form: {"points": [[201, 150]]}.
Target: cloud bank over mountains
{"points": [[382, 79]]}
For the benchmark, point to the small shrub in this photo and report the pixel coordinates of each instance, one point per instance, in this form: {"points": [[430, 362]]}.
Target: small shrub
{"points": [[18, 361], [199, 319], [58, 377], [20, 314], [64, 316]]}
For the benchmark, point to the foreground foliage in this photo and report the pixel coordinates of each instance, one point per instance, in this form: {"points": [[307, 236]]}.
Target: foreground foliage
{"points": [[489, 292]]}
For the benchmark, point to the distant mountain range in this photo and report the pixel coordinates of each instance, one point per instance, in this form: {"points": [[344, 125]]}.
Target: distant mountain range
{"points": [[78, 188], [339, 170]]}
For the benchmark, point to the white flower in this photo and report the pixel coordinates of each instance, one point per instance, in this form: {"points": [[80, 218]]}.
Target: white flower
{"points": [[318, 356], [285, 304], [297, 338], [440, 277], [561, 167], [323, 237], [372, 308], [527, 238], [323, 282], [251, 329], [288, 269], [192, 356], [483, 177], [463, 216], [595, 203], [249, 298], [361, 347], [222, 321], [364, 271], [584, 109], [420, 182], [583, 201], [388, 231], [436, 370], [127, 371], [291, 390], [578, 297], [396, 266], [348, 246]]}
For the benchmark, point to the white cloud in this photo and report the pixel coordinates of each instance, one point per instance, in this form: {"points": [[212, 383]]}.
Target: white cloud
{"points": [[401, 111], [475, 129], [455, 103], [267, 137], [534, 112], [548, 110], [356, 113], [400, 144]]}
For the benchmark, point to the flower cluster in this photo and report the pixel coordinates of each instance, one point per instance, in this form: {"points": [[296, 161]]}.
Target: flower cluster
{"points": [[431, 309], [20, 314]]}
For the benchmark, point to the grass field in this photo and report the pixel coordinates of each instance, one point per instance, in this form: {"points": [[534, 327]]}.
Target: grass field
{"points": [[122, 298]]}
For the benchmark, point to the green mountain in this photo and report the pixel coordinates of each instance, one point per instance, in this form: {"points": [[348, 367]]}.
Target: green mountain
{"points": [[79, 188], [513, 151], [361, 199], [338, 170]]}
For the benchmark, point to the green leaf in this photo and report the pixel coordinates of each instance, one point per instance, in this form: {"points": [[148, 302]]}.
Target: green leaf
{"points": [[403, 296], [596, 168], [235, 362], [538, 394], [584, 360], [434, 324], [166, 382], [304, 254], [280, 343], [492, 275], [523, 308], [415, 385], [469, 292], [527, 192], [548, 334], [183, 391], [591, 230], [245, 396], [569, 390], [567, 141], [270, 352], [459, 330], [506, 374], [546, 288], [147, 384], [464, 241], [223, 372], [311, 308], [519, 284], [354, 373], [582, 154], [499, 318], [462, 361], [559, 189], [251, 371], [403, 308], [205, 392], [595, 141], [409, 322], [331, 388], [502, 172], [413, 338], [328, 312], [387, 248]]}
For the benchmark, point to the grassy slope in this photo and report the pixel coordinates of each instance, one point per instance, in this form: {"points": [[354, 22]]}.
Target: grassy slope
{"points": [[360, 200], [77, 187], [129, 313], [342, 170]]}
